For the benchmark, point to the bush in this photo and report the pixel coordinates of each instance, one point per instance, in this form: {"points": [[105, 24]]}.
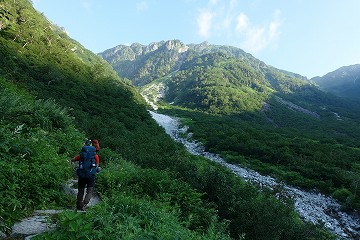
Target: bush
{"points": [[157, 185], [342, 194], [33, 163]]}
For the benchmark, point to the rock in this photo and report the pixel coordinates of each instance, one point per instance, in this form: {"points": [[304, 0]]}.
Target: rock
{"points": [[32, 225]]}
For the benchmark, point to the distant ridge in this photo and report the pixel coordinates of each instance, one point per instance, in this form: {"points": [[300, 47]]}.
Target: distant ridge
{"points": [[344, 82], [202, 76], [145, 63]]}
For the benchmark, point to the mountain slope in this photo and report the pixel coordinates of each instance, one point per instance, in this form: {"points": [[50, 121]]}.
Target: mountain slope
{"points": [[344, 82], [218, 84]]}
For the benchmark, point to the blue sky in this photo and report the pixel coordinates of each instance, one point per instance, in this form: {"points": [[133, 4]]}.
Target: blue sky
{"points": [[309, 37]]}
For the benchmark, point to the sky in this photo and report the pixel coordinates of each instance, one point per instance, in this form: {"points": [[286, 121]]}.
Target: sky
{"points": [[308, 37]]}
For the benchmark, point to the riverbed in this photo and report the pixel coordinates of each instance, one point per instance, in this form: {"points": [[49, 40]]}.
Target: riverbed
{"points": [[312, 206]]}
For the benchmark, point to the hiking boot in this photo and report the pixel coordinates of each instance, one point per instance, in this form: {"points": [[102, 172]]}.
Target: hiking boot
{"points": [[80, 209]]}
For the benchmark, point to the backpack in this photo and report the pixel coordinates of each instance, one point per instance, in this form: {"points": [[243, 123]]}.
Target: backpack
{"points": [[87, 164]]}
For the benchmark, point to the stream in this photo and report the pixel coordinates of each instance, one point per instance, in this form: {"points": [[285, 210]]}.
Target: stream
{"points": [[312, 206]]}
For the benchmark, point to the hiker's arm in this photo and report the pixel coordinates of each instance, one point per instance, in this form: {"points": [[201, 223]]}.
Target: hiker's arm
{"points": [[75, 159], [97, 160]]}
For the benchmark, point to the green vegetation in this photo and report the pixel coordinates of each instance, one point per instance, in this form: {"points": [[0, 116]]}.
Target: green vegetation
{"points": [[36, 138], [53, 94], [218, 84]]}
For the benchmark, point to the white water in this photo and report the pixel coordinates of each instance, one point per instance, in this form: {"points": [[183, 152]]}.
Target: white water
{"points": [[312, 207]]}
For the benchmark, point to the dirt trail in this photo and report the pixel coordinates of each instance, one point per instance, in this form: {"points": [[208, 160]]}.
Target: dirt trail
{"points": [[40, 222]]}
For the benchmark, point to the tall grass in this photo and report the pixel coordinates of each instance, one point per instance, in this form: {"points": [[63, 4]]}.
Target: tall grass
{"points": [[36, 138]]}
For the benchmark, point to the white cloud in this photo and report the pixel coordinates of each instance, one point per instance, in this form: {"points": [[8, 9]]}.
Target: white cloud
{"points": [[274, 30], [142, 6], [255, 38], [274, 27], [224, 19], [204, 22], [242, 22]]}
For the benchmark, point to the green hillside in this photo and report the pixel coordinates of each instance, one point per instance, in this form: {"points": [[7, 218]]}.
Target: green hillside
{"points": [[54, 93], [217, 83]]}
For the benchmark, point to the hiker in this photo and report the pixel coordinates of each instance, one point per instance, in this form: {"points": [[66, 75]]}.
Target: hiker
{"points": [[88, 167]]}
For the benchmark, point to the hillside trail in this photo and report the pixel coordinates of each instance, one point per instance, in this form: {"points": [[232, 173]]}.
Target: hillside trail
{"points": [[40, 222], [312, 207]]}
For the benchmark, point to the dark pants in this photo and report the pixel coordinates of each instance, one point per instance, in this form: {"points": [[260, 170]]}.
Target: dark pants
{"points": [[89, 184]]}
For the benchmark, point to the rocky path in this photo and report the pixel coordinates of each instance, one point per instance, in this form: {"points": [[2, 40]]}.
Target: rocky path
{"points": [[40, 222], [311, 206]]}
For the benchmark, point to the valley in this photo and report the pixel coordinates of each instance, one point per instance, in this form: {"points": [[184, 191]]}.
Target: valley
{"points": [[312, 206]]}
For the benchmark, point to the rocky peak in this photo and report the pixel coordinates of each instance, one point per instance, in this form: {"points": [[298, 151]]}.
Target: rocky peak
{"points": [[153, 46], [176, 45]]}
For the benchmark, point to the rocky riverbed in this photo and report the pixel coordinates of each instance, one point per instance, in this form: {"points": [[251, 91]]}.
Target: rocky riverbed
{"points": [[312, 206]]}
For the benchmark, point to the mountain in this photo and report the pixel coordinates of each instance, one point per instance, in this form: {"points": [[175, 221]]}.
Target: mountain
{"points": [[144, 64], [54, 93], [344, 82], [253, 114], [184, 70]]}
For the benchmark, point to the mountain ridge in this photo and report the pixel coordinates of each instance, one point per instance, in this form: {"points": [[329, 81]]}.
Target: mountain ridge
{"points": [[175, 52], [144, 64], [344, 81], [136, 49]]}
